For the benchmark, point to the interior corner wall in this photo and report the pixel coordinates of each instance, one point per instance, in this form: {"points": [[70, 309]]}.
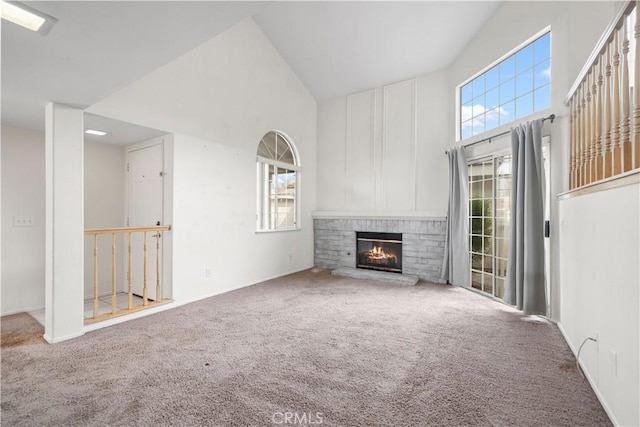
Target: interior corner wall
{"points": [[218, 100], [382, 150], [103, 207], [23, 194]]}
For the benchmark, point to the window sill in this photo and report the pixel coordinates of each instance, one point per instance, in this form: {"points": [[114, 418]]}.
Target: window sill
{"points": [[280, 230]]}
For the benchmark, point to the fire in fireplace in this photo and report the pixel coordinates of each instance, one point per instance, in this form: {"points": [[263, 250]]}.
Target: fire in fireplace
{"points": [[379, 251]]}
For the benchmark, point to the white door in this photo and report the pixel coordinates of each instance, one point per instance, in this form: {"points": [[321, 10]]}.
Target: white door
{"points": [[144, 177]]}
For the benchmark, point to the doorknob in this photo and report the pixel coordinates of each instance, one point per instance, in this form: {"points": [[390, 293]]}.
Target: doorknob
{"points": [[158, 223]]}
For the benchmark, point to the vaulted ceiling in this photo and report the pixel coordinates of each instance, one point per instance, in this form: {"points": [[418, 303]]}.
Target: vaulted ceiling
{"points": [[335, 48]]}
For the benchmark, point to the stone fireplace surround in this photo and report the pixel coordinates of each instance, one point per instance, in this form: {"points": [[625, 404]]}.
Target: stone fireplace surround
{"points": [[422, 242]]}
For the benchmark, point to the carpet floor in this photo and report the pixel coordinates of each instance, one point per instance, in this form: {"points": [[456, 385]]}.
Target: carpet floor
{"points": [[307, 348]]}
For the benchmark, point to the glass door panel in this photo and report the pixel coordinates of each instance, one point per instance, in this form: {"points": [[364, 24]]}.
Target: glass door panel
{"points": [[489, 192], [481, 194], [489, 220]]}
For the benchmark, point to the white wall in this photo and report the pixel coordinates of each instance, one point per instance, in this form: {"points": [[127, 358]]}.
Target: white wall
{"points": [[382, 150], [103, 207], [600, 249], [219, 100], [23, 188]]}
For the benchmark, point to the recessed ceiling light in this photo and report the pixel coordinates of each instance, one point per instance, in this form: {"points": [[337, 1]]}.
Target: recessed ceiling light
{"points": [[95, 132], [27, 17]]}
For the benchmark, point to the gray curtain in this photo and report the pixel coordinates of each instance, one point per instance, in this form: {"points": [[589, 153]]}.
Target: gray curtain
{"points": [[455, 267], [525, 285]]}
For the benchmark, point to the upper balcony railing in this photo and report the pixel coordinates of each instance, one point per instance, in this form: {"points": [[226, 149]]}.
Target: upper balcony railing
{"points": [[604, 107]]}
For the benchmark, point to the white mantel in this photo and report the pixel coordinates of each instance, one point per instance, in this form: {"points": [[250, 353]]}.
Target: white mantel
{"points": [[373, 215]]}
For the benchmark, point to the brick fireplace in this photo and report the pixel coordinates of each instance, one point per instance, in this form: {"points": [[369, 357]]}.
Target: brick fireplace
{"points": [[422, 252]]}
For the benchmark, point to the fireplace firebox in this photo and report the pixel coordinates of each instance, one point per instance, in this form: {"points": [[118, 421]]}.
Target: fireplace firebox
{"points": [[379, 251]]}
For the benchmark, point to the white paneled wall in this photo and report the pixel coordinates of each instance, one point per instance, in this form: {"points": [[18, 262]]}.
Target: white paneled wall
{"points": [[361, 151], [378, 150], [399, 146]]}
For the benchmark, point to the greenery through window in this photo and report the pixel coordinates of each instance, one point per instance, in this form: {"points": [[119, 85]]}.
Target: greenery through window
{"points": [[489, 204], [278, 177], [514, 88]]}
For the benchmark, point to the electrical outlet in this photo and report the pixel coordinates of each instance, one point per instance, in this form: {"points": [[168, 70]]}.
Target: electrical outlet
{"points": [[23, 221], [207, 273], [614, 363]]}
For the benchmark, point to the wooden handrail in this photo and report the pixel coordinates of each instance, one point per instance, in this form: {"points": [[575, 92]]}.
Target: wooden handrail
{"points": [[118, 230], [601, 45], [127, 232], [602, 144]]}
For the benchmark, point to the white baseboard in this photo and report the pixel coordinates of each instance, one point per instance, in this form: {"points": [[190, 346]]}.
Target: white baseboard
{"points": [[590, 380], [63, 338], [22, 310]]}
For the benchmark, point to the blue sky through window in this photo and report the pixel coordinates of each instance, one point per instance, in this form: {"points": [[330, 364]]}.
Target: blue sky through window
{"points": [[514, 88]]}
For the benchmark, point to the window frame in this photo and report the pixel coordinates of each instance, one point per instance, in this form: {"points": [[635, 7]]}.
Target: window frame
{"points": [[458, 90], [263, 193]]}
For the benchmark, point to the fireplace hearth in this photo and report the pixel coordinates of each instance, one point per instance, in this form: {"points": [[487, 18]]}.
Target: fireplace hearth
{"points": [[379, 251]]}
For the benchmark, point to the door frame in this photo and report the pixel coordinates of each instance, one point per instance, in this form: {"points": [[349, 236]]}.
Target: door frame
{"points": [[166, 142]]}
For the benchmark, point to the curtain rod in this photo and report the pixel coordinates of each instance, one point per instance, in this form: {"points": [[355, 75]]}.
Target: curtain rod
{"points": [[550, 117]]}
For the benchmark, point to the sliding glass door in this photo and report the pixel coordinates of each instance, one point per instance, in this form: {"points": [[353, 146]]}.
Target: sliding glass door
{"points": [[489, 220]]}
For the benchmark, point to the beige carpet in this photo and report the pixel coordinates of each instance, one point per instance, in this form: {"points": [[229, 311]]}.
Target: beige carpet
{"points": [[334, 351]]}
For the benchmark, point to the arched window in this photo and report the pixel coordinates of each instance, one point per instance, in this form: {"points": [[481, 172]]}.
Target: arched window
{"points": [[278, 178]]}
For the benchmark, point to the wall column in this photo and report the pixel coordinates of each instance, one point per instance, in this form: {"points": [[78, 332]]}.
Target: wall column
{"points": [[64, 213]]}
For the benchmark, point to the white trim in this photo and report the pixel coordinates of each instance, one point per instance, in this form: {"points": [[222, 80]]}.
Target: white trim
{"points": [[277, 230], [50, 340], [590, 380], [376, 215], [374, 150], [490, 155], [292, 146], [278, 163], [414, 147], [27, 310], [144, 144]]}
